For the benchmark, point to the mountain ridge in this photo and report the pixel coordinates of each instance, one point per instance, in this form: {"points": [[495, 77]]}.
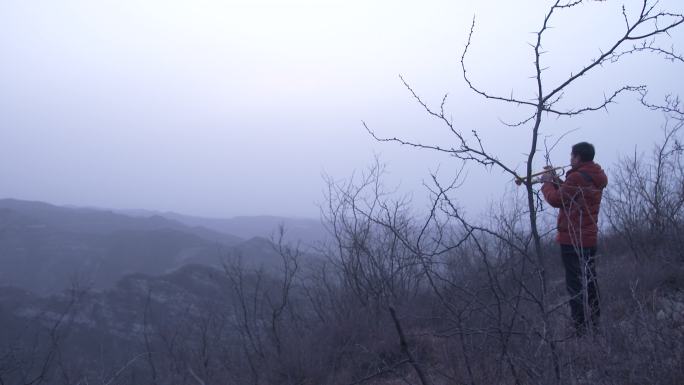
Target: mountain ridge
{"points": [[44, 247]]}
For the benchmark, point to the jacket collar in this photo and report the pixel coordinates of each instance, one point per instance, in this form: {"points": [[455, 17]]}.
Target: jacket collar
{"points": [[582, 165]]}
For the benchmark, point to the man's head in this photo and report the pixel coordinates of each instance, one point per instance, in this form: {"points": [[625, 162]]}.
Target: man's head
{"points": [[581, 152]]}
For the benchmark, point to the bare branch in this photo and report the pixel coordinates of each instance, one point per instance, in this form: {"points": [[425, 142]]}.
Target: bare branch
{"points": [[477, 90], [672, 106], [610, 55], [519, 123], [405, 349], [602, 106]]}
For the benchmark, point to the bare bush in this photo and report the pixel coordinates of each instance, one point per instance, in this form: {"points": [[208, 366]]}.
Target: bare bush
{"points": [[646, 205]]}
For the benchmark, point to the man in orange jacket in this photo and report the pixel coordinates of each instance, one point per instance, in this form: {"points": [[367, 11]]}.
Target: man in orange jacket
{"points": [[579, 198]]}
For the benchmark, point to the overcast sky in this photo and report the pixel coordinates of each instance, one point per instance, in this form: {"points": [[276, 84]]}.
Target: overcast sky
{"points": [[236, 107]]}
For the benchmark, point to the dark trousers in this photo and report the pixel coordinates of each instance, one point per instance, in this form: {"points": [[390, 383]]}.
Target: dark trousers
{"points": [[581, 283]]}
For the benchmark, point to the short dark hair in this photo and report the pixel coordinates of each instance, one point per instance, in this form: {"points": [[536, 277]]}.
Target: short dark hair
{"points": [[584, 150]]}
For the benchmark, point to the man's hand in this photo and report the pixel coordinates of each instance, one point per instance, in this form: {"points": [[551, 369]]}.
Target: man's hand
{"points": [[549, 175]]}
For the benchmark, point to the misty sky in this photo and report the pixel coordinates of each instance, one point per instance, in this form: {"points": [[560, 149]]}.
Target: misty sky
{"points": [[224, 108]]}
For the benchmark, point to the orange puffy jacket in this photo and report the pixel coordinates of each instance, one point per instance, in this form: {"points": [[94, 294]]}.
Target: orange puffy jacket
{"points": [[578, 199]]}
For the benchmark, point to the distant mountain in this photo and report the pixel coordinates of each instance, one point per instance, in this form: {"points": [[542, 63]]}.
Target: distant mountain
{"points": [[305, 230], [254, 252], [101, 221], [308, 231], [43, 248]]}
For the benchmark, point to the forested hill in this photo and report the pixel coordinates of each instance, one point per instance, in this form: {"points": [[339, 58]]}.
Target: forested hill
{"points": [[46, 248], [308, 230]]}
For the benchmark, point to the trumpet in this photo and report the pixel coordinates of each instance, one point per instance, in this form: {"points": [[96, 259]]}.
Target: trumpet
{"points": [[536, 177]]}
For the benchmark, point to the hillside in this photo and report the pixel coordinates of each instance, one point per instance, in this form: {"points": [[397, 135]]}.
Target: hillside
{"points": [[305, 230], [44, 248]]}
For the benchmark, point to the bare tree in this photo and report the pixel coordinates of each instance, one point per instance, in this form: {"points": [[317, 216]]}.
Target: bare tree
{"points": [[646, 207], [264, 315], [37, 358], [638, 37]]}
